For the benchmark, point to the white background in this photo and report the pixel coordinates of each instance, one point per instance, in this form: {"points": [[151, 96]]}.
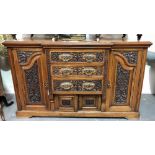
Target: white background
{"points": [[70, 16]]}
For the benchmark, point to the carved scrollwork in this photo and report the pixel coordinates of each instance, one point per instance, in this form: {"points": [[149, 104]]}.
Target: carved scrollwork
{"points": [[132, 57], [23, 56]]}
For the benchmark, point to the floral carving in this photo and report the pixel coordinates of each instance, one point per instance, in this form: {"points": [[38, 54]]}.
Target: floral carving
{"points": [[131, 57], [23, 56], [122, 82], [32, 84]]}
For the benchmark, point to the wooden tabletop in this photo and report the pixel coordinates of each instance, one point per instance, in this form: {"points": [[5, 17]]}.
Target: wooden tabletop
{"points": [[46, 43]]}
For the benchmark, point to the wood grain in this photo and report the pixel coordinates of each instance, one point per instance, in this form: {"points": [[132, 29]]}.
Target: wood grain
{"points": [[120, 58]]}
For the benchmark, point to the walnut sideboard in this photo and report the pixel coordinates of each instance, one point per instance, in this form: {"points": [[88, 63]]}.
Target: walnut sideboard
{"points": [[77, 79]]}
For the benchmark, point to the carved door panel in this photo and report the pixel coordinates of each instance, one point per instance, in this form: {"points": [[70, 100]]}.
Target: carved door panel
{"points": [[32, 78], [123, 78]]}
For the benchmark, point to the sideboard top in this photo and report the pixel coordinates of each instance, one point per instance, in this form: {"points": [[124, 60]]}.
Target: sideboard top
{"points": [[49, 43]]}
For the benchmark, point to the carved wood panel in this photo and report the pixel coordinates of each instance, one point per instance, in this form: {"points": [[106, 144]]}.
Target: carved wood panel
{"points": [[122, 82], [33, 84], [30, 65], [123, 65]]}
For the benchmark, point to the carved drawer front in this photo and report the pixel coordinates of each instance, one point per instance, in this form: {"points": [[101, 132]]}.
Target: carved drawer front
{"points": [[66, 103], [77, 85], [77, 56], [87, 102], [80, 70]]}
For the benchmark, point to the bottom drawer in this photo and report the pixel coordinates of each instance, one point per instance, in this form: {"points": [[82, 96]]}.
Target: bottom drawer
{"points": [[90, 102], [66, 102], [75, 103]]}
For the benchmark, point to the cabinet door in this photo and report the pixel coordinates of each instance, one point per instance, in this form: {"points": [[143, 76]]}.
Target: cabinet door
{"points": [[123, 75], [31, 77]]}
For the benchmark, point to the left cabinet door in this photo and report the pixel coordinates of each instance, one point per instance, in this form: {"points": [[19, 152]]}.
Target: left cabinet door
{"points": [[31, 78]]}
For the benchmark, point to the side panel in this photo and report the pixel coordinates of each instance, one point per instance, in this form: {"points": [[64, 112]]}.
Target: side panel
{"points": [[124, 73], [30, 76]]}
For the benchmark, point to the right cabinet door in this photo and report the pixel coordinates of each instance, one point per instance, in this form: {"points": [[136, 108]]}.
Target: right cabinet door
{"points": [[123, 75]]}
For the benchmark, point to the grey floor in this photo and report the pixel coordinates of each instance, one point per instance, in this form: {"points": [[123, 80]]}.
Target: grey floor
{"points": [[147, 111]]}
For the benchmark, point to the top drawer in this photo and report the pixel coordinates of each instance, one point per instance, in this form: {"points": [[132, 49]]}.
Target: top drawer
{"points": [[77, 56]]}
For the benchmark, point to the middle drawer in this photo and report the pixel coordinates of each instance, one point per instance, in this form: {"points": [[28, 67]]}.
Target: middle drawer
{"points": [[68, 70]]}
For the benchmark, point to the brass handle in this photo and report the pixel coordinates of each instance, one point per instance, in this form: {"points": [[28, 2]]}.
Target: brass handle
{"points": [[88, 85], [65, 57], [89, 57], [66, 71], [66, 85], [89, 71]]}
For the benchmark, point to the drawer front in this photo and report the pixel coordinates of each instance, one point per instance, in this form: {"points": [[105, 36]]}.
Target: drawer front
{"points": [[66, 103], [77, 85], [90, 102], [71, 71], [77, 56]]}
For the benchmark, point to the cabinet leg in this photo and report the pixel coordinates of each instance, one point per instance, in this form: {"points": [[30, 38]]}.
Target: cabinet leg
{"points": [[133, 117]]}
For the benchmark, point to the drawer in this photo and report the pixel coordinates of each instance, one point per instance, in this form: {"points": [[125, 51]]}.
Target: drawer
{"points": [[89, 102], [77, 56], [77, 85], [76, 70], [66, 102]]}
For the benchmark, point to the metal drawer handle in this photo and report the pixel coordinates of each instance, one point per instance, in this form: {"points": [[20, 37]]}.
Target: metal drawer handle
{"points": [[66, 71], [88, 85], [65, 57], [66, 85], [89, 57], [89, 71]]}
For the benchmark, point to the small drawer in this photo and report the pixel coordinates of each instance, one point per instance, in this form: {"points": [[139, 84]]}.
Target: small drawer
{"points": [[87, 102], [77, 56], [77, 70], [66, 103], [77, 85]]}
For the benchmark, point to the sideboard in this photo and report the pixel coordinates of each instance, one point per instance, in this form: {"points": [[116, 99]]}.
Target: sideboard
{"points": [[77, 79]]}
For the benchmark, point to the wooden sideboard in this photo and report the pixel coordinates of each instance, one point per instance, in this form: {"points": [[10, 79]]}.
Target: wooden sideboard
{"points": [[77, 79]]}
